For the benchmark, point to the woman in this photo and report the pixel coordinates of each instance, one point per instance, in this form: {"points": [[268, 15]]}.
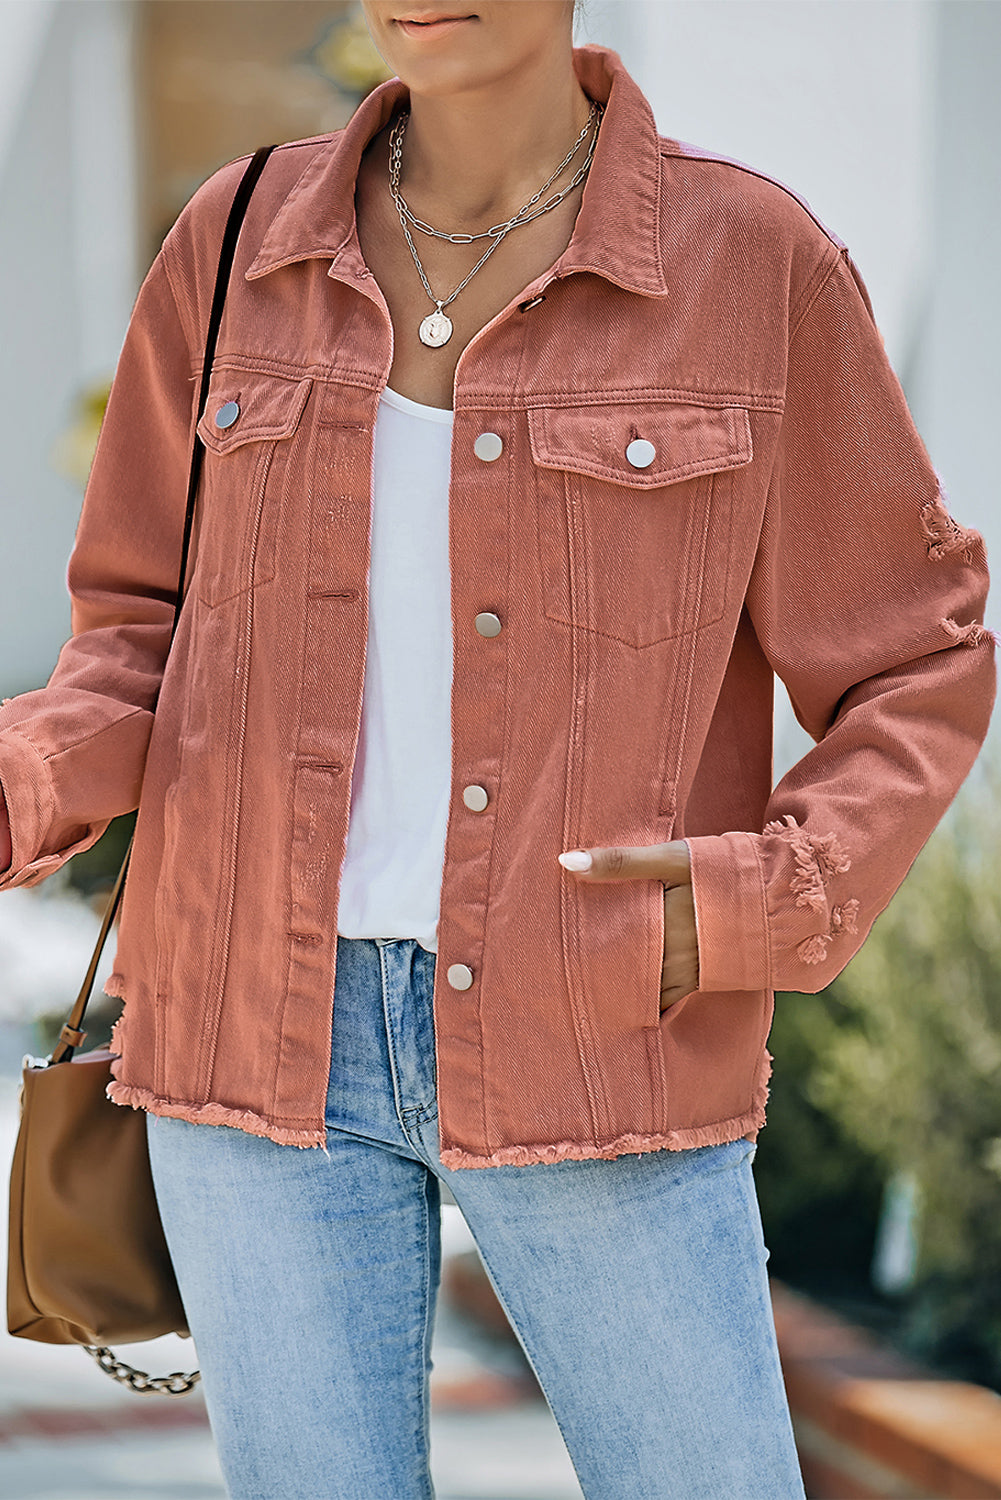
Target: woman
{"points": [[512, 747]]}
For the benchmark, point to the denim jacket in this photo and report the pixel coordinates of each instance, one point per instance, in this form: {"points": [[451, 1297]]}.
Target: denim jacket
{"points": [[619, 614]]}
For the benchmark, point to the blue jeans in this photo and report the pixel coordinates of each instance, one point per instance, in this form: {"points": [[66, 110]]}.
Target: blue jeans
{"points": [[637, 1286]]}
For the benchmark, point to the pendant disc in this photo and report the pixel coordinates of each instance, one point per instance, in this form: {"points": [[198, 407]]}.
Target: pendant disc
{"points": [[436, 330]]}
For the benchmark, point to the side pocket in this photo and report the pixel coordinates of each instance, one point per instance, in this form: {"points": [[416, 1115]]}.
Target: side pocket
{"points": [[656, 919]]}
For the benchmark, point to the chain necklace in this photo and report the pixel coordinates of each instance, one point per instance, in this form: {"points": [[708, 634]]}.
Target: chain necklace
{"points": [[436, 329], [523, 216]]}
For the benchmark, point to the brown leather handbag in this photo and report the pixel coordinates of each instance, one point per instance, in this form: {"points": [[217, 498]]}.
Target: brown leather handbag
{"points": [[87, 1262]]}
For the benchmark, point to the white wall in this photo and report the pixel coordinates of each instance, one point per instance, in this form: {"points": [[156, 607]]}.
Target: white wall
{"points": [[955, 378], [829, 96], [67, 281], [24, 26]]}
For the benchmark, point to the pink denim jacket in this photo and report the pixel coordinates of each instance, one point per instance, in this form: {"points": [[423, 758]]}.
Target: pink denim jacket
{"points": [[788, 522]]}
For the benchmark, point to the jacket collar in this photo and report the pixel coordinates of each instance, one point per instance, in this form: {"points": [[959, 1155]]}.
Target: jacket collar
{"points": [[617, 232]]}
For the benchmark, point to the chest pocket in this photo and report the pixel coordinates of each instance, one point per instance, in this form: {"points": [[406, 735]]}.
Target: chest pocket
{"points": [[634, 514], [248, 427]]}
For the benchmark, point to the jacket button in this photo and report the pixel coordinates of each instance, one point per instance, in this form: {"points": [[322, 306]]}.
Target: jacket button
{"points": [[488, 446], [641, 453], [475, 798], [460, 976], [487, 624], [227, 415]]}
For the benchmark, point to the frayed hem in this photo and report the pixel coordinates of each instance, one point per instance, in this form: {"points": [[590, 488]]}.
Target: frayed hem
{"points": [[212, 1114], [717, 1134]]}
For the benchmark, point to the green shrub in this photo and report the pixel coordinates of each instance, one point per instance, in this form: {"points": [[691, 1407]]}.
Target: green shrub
{"points": [[915, 1076], [819, 1190], [94, 872]]}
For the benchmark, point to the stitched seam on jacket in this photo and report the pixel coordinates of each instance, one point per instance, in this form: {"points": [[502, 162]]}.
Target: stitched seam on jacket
{"points": [[512, 489], [694, 470], [165, 254], [822, 275], [18, 866], [763, 900], [472, 399], [694, 578], [609, 635], [816, 284], [312, 446], [694, 154], [259, 365], [569, 898], [54, 755], [218, 969]]}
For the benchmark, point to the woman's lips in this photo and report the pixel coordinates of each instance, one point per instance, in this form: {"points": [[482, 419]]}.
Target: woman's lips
{"points": [[433, 28]]}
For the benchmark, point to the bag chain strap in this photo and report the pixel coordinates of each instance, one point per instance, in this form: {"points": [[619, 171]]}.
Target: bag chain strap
{"points": [[177, 1384]]}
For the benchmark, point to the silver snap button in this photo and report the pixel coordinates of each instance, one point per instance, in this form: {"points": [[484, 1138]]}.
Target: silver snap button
{"points": [[227, 415], [488, 446], [641, 453], [475, 798], [487, 624], [460, 976]]}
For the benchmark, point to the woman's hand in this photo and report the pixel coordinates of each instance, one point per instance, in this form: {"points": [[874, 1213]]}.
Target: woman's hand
{"points": [[670, 863], [6, 853]]}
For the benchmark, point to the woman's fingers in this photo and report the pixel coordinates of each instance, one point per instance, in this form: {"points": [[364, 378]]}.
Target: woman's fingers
{"points": [[680, 973], [6, 853], [667, 862], [671, 864]]}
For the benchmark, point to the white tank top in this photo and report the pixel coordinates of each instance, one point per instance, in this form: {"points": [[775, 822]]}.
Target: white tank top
{"points": [[391, 878]]}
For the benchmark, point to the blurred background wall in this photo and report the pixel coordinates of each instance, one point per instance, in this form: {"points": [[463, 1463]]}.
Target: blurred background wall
{"points": [[884, 114]]}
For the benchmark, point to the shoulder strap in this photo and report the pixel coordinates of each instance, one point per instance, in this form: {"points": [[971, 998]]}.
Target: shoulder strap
{"points": [[71, 1036], [231, 234]]}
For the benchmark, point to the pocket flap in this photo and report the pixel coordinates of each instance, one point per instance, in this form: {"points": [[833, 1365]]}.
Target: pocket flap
{"points": [[245, 407], [687, 440]]}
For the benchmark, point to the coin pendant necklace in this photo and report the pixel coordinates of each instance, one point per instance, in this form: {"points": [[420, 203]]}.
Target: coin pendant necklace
{"points": [[436, 329]]}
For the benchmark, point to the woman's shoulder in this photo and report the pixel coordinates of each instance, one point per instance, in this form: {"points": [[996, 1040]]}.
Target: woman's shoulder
{"points": [[744, 189], [191, 246], [762, 222], [207, 208]]}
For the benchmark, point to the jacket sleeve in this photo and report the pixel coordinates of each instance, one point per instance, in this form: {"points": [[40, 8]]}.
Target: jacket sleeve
{"points": [[72, 753], [866, 597]]}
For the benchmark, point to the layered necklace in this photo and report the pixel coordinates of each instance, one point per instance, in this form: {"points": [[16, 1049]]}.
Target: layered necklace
{"points": [[436, 328]]}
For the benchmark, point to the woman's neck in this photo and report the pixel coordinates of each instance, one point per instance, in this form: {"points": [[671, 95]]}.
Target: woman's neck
{"points": [[474, 159]]}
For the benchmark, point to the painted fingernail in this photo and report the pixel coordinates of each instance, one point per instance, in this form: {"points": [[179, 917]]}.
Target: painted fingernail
{"points": [[576, 859]]}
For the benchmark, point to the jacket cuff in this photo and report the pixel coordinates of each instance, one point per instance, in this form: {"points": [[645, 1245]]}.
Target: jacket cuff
{"points": [[728, 886], [28, 793]]}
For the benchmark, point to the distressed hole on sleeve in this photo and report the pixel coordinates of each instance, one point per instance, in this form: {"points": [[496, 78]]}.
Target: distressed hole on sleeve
{"points": [[943, 536], [973, 634], [813, 950]]}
